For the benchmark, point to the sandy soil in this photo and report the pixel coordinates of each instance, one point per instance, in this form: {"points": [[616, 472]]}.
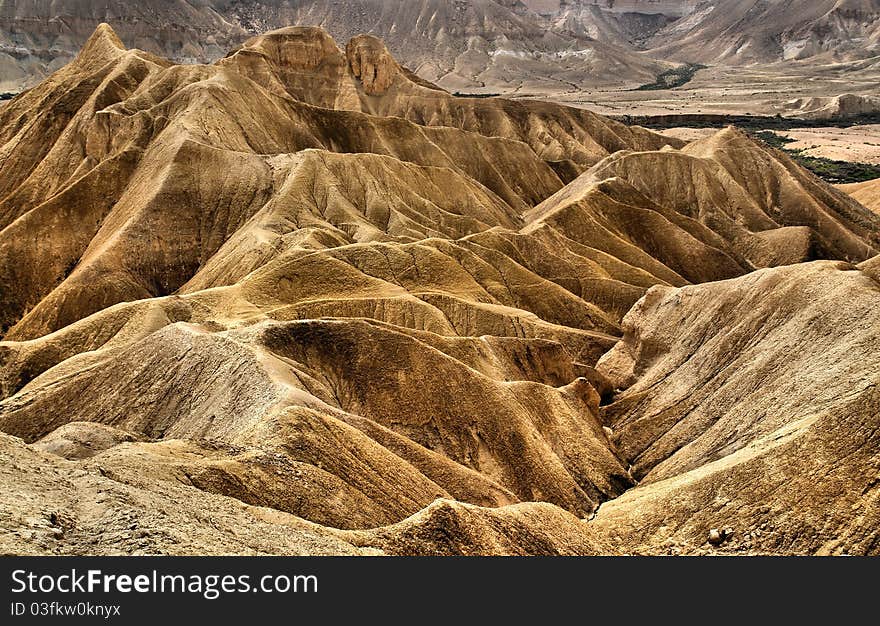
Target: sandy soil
{"points": [[688, 134], [857, 143], [756, 90]]}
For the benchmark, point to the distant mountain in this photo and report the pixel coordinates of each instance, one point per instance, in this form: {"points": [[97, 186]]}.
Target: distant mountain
{"points": [[725, 31], [466, 45], [763, 31], [39, 37], [675, 8], [472, 46], [629, 24]]}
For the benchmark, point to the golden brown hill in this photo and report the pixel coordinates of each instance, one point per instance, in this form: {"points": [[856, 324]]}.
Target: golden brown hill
{"points": [[303, 280], [754, 404], [306, 64], [868, 193], [149, 137], [56, 507], [717, 208], [786, 469], [149, 148], [765, 209], [278, 388]]}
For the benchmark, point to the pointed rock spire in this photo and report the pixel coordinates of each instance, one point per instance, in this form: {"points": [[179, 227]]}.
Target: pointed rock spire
{"points": [[104, 45]]}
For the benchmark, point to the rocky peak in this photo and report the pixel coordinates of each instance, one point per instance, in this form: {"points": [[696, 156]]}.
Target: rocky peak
{"points": [[296, 47], [104, 45]]}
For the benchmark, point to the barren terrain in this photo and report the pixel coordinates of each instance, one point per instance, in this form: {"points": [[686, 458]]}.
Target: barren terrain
{"points": [[303, 301]]}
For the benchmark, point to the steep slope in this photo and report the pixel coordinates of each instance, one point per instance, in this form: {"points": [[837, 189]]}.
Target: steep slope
{"points": [[717, 208], [789, 471], [305, 280], [306, 64], [768, 210], [256, 229], [478, 45], [753, 404], [627, 24], [144, 133], [749, 31], [54, 507], [868, 193], [289, 397]]}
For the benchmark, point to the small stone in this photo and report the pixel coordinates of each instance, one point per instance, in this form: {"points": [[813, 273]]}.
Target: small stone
{"points": [[715, 537], [727, 533]]}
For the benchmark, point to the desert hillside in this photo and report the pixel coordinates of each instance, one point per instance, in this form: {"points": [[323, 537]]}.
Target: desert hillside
{"points": [[750, 31], [535, 47], [475, 46], [303, 301]]}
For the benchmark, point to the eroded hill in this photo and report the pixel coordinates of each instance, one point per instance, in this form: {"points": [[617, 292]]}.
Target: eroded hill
{"points": [[374, 316]]}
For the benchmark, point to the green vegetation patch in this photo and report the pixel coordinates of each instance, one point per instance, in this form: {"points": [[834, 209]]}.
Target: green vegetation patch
{"points": [[745, 122], [676, 77], [775, 141], [459, 94], [829, 170]]}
